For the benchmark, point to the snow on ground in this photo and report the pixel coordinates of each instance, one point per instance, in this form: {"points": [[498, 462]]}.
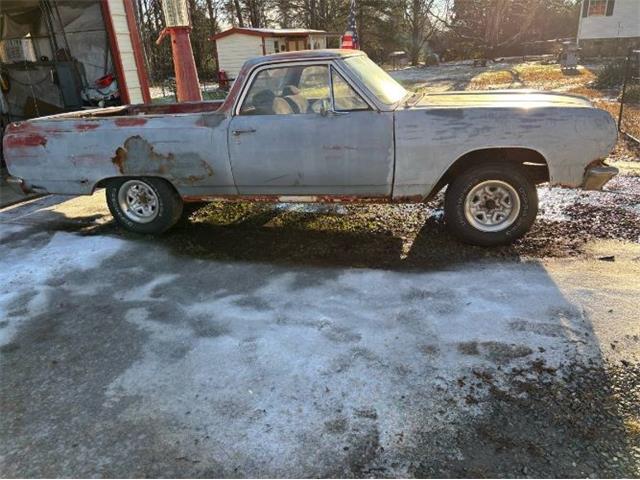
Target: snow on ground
{"points": [[274, 369], [300, 352], [149, 361], [444, 71], [442, 77], [32, 265], [622, 192]]}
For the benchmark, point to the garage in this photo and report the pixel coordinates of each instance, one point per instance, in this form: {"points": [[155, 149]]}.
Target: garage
{"points": [[64, 55]]}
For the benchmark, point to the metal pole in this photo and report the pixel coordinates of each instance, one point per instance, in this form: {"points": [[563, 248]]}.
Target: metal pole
{"points": [[187, 81], [624, 88]]}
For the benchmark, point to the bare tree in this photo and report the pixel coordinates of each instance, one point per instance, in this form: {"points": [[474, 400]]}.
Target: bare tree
{"points": [[256, 11], [419, 25], [213, 10], [489, 25], [238, 9], [497, 15]]}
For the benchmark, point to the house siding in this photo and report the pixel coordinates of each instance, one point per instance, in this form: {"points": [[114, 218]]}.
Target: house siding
{"points": [[125, 47], [320, 40], [624, 23], [237, 48], [234, 50]]}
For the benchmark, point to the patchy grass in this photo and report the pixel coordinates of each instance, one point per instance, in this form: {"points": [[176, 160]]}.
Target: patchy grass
{"points": [[631, 120], [531, 75], [493, 79], [632, 426]]}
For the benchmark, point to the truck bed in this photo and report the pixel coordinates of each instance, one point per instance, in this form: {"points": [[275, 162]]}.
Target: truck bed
{"points": [[72, 153], [142, 109]]}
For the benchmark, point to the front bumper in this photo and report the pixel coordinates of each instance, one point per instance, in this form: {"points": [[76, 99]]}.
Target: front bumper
{"points": [[596, 176]]}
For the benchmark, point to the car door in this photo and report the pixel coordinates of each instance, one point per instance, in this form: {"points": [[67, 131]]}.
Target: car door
{"points": [[302, 129]]}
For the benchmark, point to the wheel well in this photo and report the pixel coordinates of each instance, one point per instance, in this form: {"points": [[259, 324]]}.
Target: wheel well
{"points": [[533, 164], [103, 183]]}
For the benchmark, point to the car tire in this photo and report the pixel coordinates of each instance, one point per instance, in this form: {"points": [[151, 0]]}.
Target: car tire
{"points": [[144, 204], [490, 204]]}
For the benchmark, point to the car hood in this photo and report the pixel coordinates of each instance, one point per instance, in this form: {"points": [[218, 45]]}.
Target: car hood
{"points": [[501, 98]]}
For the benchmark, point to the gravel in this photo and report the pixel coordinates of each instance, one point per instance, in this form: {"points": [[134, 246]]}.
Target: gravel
{"points": [[572, 422]]}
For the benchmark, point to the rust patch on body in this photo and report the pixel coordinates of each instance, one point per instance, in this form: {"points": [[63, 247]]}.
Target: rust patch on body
{"points": [[119, 158], [130, 122], [26, 140], [86, 127], [138, 157]]}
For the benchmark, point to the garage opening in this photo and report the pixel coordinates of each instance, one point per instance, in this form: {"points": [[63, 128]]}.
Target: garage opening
{"points": [[55, 57], [60, 56]]}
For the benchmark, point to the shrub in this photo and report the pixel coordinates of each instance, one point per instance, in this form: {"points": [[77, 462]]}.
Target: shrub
{"points": [[632, 95], [612, 75], [431, 60]]}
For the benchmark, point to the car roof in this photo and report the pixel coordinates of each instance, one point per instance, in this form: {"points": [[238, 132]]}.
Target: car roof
{"points": [[322, 54]]}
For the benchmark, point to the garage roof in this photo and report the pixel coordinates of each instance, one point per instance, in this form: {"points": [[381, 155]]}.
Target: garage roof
{"points": [[268, 32]]}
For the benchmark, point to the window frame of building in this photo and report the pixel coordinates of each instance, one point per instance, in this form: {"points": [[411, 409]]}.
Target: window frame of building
{"points": [[598, 8]]}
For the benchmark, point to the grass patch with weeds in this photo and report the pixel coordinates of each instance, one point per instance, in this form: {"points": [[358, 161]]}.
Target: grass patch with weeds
{"points": [[529, 75]]}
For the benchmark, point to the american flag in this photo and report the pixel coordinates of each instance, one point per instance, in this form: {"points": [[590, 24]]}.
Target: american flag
{"points": [[352, 27]]}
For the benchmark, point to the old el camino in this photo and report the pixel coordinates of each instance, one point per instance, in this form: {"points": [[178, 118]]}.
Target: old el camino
{"points": [[323, 126]]}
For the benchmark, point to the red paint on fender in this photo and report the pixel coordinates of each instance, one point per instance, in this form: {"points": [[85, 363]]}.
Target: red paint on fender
{"points": [[25, 141], [86, 127], [130, 122]]}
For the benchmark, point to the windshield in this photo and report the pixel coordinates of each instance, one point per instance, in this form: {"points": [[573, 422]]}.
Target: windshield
{"points": [[376, 79]]}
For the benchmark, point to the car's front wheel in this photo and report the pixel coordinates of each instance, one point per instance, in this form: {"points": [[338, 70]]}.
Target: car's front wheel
{"points": [[144, 205], [491, 204]]}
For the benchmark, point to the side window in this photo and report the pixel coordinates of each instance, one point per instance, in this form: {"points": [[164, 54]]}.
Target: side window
{"points": [[314, 83], [266, 87], [345, 97], [287, 91]]}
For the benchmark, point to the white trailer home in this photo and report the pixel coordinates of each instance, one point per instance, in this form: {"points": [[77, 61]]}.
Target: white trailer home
{"points": [[237, 45], [609, 27]]}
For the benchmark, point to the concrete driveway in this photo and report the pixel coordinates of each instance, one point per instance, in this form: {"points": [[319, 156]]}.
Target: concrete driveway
{"points": [[121, 356]]}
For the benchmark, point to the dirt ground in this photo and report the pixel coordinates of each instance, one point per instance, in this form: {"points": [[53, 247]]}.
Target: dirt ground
{"points": [[268, 340]]}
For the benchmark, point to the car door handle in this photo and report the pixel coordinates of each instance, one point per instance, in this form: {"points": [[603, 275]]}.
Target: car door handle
{"points": [[240, 132]]}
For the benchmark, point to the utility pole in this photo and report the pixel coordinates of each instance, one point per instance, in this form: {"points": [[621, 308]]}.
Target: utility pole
{"points": [[178, 26]]}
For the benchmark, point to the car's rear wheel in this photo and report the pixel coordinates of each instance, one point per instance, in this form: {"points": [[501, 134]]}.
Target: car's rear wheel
{"points": [[491, 204], [144, 205]]}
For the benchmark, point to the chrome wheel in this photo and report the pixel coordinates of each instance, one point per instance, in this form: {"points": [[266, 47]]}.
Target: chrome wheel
{"points": [[138, 201], [492, 206]]}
